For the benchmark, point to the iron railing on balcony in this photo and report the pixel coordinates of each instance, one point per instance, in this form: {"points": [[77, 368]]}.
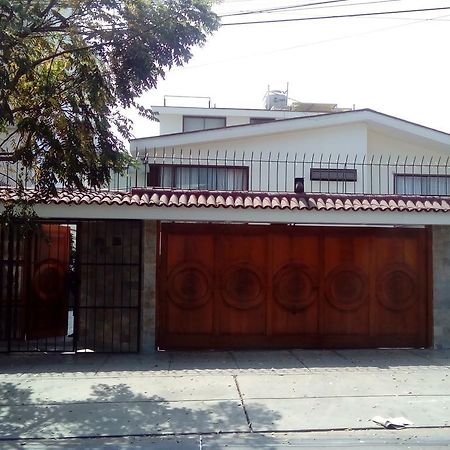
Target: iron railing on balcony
{"points": [[272, 172]]}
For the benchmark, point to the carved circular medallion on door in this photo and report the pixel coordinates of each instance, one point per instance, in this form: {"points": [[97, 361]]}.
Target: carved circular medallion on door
{"points": [[242, 286], [396, 287], [346, 287], [49, 280], [295, 286], [189, 285]]}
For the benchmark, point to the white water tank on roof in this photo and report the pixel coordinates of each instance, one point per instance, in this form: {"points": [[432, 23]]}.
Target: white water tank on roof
{"points": [[276, 100]]}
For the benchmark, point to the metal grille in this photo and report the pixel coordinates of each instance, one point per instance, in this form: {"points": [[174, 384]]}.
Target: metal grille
{"points": [[109, 298], [263, 171], [11, 276], [71, 287]]}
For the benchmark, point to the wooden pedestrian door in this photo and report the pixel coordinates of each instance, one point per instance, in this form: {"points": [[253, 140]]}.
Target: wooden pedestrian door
{"points": [[255, 286]]}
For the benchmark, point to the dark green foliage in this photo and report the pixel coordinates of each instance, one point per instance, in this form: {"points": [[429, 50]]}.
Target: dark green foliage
{"points": [[68, 66]]}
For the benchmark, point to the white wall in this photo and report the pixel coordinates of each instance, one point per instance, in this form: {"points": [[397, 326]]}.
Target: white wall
{"points": [[171, 118], [382, 143], [295, 151], [395, 155], [342, 140], [365, 148]]}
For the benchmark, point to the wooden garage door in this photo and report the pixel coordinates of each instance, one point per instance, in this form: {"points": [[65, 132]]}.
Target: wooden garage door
{"points": [[254, 286]]}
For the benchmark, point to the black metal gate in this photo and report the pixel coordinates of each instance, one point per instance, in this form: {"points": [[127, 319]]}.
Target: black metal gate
{"points": [[71, 287]]}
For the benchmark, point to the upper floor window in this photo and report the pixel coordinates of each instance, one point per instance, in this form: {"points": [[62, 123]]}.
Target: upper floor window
{"points": [[416, 184], [214, 178], [256, 120], [8, 170], [327, 174], [7, 157], [195, 123]]}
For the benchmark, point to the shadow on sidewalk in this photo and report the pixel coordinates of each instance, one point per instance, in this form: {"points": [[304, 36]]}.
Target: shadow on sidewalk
{"points": [[115, 411]]}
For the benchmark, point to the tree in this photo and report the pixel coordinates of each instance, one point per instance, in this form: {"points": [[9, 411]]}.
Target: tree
{"points": [[68, 66]]}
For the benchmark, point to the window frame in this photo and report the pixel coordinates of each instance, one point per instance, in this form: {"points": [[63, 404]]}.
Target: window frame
{"points": [[397, 176], [204, 117], [329, 174], [7, 157], [260, 120], [155, 175]]}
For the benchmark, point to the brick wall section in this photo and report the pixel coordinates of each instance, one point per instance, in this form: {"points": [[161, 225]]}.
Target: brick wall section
{"points": [[441, 286], [148, 293], [109, 258]]}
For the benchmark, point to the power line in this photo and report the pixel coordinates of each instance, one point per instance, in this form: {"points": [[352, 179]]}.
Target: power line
{"points": [[307, 6], [283, 8], [238, 1], [338, 16], [310, 44]]}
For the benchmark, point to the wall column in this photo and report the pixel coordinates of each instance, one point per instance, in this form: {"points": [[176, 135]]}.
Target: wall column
{"points": [[441, 286], [148, 292]]}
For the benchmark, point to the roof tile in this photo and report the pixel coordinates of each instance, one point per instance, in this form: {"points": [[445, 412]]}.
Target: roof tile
{"points": [[291, 201], [257, 203], [229, 201], [248, 202]]}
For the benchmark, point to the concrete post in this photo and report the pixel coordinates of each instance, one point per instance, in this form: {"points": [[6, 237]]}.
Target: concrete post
{"points": [[441, 286], [148, 292]]}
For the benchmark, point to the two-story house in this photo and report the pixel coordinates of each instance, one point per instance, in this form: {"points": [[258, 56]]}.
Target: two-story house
{"points": [[306, 226]]}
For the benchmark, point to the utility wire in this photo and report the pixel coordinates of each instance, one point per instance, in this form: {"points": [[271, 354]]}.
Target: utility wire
{"points": [[309, 44], [225, 2], [307, 6], [283, 8], [338, 16]]}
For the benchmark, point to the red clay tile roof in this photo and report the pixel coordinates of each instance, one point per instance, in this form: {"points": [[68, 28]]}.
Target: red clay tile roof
{"points": [[212, 199]]}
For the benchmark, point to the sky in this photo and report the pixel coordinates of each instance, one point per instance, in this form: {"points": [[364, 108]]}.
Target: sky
{"points": [[397, 64]]}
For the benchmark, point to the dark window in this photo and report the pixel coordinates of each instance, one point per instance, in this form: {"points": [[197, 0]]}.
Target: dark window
{"points": [[195, 123], [411, 184], [325, 174], [8, 170], [7, 156], [215, 178], [256, 120]]}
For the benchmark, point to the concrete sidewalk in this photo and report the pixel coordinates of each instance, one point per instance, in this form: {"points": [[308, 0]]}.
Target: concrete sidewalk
{"points": [[212, 400]]}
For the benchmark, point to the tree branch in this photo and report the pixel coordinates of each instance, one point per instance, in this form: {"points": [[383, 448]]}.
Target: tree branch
{"points": [[49, 7], [7, 138], [21, 72]]}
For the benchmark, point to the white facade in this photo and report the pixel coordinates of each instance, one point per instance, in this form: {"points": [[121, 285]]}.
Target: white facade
{"points": [[275, 153], [381, 149], [171, 117]]}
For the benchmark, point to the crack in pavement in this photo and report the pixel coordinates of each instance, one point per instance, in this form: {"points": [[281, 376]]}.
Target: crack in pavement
{"points": [[247, 418]]}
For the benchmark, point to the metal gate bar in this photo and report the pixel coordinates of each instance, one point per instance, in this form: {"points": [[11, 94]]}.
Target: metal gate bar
{"points": [[71, 287], [109, 280]]}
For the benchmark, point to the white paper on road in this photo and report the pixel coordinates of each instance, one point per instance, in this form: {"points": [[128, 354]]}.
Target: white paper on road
{"points": [[392, 422]]}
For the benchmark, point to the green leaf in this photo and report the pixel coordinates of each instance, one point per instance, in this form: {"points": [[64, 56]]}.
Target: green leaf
{"points": [[68, 66]]}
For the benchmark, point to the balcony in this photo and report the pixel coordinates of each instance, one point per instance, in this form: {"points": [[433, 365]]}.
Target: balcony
{"points": [[271, 173]]}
